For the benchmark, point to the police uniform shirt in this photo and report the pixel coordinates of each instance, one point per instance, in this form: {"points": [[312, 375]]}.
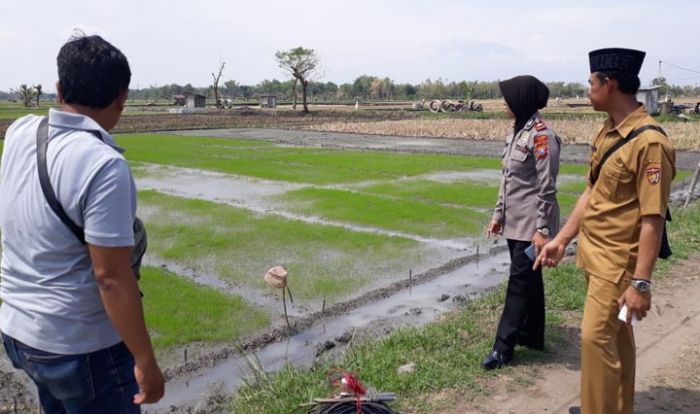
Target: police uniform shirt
{"points": [[635, 181], [527, 197]]}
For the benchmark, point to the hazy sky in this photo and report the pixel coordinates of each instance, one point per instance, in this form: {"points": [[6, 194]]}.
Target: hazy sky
{"points": [[174, 41]]}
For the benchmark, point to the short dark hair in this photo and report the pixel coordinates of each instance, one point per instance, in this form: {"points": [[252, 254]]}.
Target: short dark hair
{"points": [[92, 72], [629, 83]]}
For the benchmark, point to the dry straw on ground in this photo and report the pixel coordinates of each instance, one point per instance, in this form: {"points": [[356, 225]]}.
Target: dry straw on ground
{"points": [[685, 135]]}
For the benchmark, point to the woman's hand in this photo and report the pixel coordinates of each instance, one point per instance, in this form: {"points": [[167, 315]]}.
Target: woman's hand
{"points": [[539, 240], [494, 229]]}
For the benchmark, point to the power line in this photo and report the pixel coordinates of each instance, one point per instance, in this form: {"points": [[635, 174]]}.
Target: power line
{"points": [[678, 67], [683, 79]]}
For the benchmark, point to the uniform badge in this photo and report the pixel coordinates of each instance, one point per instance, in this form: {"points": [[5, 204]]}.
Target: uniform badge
{"points": [[541, 146], [654, 175], [540, 126]]}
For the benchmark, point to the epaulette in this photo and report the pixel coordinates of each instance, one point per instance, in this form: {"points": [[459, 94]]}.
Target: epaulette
{"points": [[539, 124]]}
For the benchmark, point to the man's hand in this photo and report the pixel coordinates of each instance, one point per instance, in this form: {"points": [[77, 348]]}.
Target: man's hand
{"points": [[539, 240], [550, 254], [494, 229], [638, 303], [120, 296], [151, 383]]}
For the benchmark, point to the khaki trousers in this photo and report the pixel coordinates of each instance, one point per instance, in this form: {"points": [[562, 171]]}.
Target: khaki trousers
{"points": [[607, 351]]}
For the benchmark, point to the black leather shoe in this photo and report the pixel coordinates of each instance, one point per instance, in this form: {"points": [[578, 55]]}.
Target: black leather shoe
{"points": [[496, 359], [574, 410]]}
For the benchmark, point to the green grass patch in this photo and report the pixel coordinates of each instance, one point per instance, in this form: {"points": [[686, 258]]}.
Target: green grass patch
{"points": [[292, 164], [415, 217], [462, 193], [447, 353], [179, 311], [14, 110], [468, 194], [670, 118], [573, 188], [238, 245]]}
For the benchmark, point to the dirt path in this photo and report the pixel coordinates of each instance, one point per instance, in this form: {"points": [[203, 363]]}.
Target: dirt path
{"points": [[668, 361]]}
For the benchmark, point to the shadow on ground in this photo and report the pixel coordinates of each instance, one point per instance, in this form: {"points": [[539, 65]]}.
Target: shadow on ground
{"points": [[562, 347], [667, 400]]}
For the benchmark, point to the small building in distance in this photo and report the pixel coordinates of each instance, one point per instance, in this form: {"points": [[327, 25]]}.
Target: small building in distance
{"points": [[195, 100], [268, 101], [649, 96]]}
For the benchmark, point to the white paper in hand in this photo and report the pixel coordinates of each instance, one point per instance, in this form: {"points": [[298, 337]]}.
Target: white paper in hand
{"points": [[623, 315]]}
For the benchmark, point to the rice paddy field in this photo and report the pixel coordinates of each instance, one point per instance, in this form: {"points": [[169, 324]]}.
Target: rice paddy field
{"points": [[221, 211], [340, 221]]}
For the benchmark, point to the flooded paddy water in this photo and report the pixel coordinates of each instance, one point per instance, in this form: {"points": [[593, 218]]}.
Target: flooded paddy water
{"points": [[454, 271]]}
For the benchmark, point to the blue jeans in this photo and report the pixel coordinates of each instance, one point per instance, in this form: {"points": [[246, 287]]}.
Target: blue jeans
{"points": [[98, 382]]}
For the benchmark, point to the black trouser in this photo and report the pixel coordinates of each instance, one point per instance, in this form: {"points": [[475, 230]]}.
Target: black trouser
{"points": [[522, 321]]}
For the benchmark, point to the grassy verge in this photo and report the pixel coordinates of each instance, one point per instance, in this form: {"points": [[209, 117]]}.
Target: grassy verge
{"points": [[448, 352], [239, 245], [179, 312]]}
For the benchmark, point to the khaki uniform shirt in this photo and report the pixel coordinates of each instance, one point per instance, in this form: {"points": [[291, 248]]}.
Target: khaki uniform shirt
{"points": [[635, 181], [527, 197]]}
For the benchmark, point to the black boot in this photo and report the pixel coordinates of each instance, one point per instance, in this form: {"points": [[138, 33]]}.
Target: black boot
{"points": [[496, 359], [574, 410]]}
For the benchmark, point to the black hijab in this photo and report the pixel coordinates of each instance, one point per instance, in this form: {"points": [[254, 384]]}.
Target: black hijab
{"points": [[524, 96]]}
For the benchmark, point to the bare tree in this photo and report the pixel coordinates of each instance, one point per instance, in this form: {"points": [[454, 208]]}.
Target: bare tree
{"points": [[26, 94], [37, 93], [216, 84], [301, 64]]}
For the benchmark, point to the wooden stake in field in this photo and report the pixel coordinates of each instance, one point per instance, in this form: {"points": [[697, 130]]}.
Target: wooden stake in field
{"points": [[691, 189], [277, 278]]}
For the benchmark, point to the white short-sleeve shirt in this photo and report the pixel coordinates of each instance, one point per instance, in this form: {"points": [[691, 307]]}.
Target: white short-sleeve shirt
{"points": [[50, 296]]}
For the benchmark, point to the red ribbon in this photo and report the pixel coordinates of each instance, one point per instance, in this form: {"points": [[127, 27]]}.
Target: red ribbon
{"points": [[351, 384]]}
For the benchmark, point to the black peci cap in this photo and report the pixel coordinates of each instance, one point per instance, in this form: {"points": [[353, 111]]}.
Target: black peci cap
{"points": [[616, 60]]}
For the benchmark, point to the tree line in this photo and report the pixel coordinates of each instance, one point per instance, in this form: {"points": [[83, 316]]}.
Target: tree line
{"points": [[375, 88], [365, 87]]}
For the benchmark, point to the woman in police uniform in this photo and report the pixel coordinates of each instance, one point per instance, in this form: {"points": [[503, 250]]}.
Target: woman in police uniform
{"points": [[526, 213]]}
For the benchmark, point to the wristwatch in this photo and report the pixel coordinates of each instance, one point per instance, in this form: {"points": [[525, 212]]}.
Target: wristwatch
{"points": [[543, 231], [642, 285]]}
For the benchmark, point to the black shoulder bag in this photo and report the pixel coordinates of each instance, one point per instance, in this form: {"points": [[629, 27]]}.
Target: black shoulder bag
{"points": [[665, 248], [42, 144]]}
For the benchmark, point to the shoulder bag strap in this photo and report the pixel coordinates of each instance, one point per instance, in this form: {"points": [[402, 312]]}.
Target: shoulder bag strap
{"points": [[595, 174], [42, 144]]}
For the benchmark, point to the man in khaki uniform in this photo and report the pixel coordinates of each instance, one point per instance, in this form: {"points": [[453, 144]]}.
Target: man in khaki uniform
{"points": [[619, 220]]}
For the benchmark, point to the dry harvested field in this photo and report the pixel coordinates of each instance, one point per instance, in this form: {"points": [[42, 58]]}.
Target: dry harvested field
{"points": [[685, 135], [574, 120]]}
